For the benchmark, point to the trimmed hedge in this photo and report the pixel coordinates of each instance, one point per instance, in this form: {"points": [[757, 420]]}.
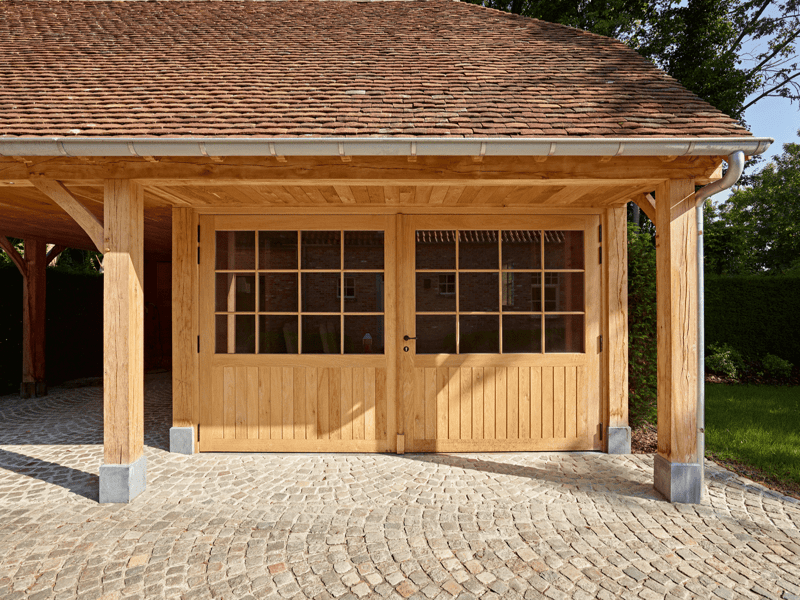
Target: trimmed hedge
{"points": [[74, 345], [756, 314]]}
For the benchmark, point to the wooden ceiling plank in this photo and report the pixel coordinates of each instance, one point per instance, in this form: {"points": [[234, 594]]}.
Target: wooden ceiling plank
{"points": [[345, 193]]}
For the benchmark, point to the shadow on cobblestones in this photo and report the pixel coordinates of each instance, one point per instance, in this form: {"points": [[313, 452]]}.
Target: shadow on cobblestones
{"points": [[579, 475], [73, 480]]}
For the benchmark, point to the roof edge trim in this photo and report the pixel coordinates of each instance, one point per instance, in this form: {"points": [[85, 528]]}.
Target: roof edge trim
{"points": [[219, 147]]}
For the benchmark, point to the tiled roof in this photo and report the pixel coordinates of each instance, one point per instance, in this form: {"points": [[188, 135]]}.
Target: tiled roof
{"points": [[342, 68]]}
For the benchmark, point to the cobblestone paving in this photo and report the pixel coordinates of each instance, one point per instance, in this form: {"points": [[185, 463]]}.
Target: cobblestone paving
{"points": [[547, 525]]}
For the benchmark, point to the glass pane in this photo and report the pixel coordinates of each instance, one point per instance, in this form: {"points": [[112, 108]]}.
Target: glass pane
{"points": [[522, 333], [363, 292], [478, 250], [436, 334], [236, 334], [363, 335], [277, 334], [236, 292], [563, 249], [563, 333], [522, 292], [277, 249], [479, 333], [236, 250], [321, 250], [522, 250], [363, 250], [478, 292], [278, 292], [321, 334], [436, 250], [563, 291], [321, 292], [436, 292]]}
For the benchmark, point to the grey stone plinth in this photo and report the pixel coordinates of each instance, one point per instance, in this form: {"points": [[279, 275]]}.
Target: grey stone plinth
{"points": [[678, 482], [122, 483], [181, 440], [619, 440]]}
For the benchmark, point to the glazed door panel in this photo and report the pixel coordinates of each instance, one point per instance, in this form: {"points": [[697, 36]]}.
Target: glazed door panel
{"points": [[297, 334], [504, 325]]}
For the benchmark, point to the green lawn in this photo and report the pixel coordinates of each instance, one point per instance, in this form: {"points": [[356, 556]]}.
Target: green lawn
{"points": [[756, 426]]}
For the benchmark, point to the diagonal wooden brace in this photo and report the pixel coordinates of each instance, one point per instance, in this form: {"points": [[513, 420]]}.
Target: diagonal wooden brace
{"points": [[59, 194]]}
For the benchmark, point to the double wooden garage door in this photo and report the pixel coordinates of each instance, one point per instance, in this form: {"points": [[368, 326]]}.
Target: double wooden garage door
{"points": [[370, 333]]}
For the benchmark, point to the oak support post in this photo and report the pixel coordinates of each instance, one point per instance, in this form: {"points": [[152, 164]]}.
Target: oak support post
{"points": [[618, 432], [677, 472], [123, 473], [33, 320], [182, 434]]}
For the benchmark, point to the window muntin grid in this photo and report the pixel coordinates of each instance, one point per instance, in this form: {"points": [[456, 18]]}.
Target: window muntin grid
{"points": [[499, 304], [299, 292]]}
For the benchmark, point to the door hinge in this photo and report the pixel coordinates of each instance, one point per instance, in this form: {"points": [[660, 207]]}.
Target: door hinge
{"points": [[198, 255], [198, 344], [198, 432], [600, 255], [198, 234], [600, 233], [601, 431], [600, 343]]}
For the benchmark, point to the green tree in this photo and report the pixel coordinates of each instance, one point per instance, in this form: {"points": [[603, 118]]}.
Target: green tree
{"points": [[757, 230]]}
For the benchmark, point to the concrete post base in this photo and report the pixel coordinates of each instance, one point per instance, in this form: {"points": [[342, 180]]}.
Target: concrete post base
{"points": [[181, 440], [30, 389], [619, 440], [122, 483], [678, 482]]}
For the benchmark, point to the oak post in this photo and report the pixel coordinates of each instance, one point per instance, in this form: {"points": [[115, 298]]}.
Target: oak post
{"points": [[616, 242], [182, 435], [33, 319], [122, 476], [676, 469]]}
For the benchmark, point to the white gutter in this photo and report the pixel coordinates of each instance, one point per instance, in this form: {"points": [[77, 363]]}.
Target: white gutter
{"points": [[735, 168], [219, 146]]}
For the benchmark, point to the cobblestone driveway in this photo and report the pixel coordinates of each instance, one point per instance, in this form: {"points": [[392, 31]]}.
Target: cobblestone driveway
{"points": [[367, 526]]}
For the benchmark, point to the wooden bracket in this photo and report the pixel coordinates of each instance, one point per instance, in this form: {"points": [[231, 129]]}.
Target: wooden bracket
{"points": [[56, 191], [648, 206], [53, 253], [14, 255]]}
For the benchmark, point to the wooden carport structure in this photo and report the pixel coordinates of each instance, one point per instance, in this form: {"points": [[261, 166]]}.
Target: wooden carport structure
{"points": [[393, 226], [128, 203]]}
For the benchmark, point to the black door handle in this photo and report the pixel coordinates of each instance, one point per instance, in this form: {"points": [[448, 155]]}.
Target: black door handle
{"points": [[406, 338]]}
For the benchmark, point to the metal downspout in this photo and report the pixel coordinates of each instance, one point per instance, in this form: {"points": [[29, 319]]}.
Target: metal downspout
{"points": [[735, 168]]}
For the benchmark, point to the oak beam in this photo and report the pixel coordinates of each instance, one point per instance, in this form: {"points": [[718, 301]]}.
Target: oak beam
{"points": [[376, 170], [615, 240], [676, 469], [182, 435], [59, 194], [123, 474]]}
